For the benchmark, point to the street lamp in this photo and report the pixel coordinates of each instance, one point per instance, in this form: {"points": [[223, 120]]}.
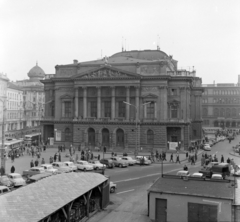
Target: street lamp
{"points": [[136, 109]]}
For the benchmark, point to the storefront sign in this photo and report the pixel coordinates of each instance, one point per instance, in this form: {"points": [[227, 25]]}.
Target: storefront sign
{"points": [[58, 135], [173, 145]]}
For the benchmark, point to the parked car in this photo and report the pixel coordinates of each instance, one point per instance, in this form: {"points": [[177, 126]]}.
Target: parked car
{"points": [[61, 167], [119, 162], [183, 173], [38, 177], [146, 160], [108, 162], [217, 177], [49, 168], [84, 165], [33, 171], [221, 168], [113, 187], [237, 171], [17, 179], [71, 165], [5, 181], [207, 147], [199, 175], [97, 165], [130, 160], [3, 190]]}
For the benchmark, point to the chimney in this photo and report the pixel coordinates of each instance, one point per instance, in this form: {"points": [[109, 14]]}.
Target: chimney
{"points": [[75, 61]]}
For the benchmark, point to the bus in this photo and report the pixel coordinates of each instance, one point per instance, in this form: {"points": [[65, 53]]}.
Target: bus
{"points": [[12, 145], [32, 139]]}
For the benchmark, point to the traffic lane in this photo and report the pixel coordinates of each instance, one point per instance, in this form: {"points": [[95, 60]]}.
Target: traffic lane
{"points": [[138, 171], [131, 184]]}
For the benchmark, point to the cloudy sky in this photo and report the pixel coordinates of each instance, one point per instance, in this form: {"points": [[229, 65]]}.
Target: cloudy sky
{"points": [[200, 33]]}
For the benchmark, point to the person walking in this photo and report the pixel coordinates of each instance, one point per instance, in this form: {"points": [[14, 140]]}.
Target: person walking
{"points": [[36, 162], [186, 155], [55, 157], [228, 160], [43, 161], [98, 157], [177, 159], [59, 157], [31, 164], [12, 158], [222, 159], [91, 156], [193, 160], [157, 156], [12, 169], [171, 158]]}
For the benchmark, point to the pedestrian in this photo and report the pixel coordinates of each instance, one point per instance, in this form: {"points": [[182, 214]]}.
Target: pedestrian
{"points": [[164, 156], [104, 149], [36, 162], [55, 157], [228, 160], [12, 169], [12, 158], [98, 157], [222, 159], [51, 159], [112, 154], [171, 157], [177, 159], [43, 161], [202, 160], [91, 156], [195, 156], [157, 156], [74, 150], [186, 155], [59, 157], [31, 164], [185, 167], [193, 160]]}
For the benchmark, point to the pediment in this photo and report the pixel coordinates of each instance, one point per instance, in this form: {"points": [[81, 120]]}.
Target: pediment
{"points": [[65, 96], [149, 95], [106, 72]]}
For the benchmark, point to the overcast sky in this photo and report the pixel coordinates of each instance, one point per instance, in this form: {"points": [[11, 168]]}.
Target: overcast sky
{"points": [[204, 34]]}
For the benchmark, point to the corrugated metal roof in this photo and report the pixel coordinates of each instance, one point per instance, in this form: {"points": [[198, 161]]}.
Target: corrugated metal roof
{"points": [[38, 200], [193, 187]]}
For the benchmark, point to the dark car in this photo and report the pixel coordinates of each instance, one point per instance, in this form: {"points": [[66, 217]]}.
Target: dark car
{"points": [[222, 169], [109, 163]]}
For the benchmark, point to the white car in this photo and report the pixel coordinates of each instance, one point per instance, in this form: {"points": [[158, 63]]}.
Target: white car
{"points": [[97, 165], [61, 167], [199, 175], [71, 165], [235, 172], [130, 160], [146, 160], [207, 147], [113, 187], [217, 176], [17, 179], [49, 168], [84, 165], [183, 173]]}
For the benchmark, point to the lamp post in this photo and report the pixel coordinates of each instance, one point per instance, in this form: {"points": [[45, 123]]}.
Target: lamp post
{"points": [[3, 164], [136, 109]]}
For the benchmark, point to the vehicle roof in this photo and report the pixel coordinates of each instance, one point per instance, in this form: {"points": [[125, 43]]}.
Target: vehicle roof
{"points": [[14, 174], [36, 201], [68, 162], [3, 187], [46, 164], [197, 174], [40, 176]]}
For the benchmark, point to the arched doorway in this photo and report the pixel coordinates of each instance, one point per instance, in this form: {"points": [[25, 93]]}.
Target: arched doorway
{"points": [[105, 137], [120, 137], [91, 137]]}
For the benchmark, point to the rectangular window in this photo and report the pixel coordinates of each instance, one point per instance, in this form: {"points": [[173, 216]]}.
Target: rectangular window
{"points": [[174, 92], [67, 109], [174, 112], [93, 109], [107, 109], [121, 109], [150, 110]]}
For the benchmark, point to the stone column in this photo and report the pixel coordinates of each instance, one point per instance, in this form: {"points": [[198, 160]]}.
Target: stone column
{"points": [[84, 102], [99, 102], [163, 102], [113, 103], [137, 102], [76, 103], [128, 101]]}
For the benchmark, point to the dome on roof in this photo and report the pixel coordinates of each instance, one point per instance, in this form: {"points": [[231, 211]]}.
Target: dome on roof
{"points": [[143, 54], [36, 73]]}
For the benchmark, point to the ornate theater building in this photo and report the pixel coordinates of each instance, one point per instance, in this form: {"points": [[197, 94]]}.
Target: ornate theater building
{"points": [[131, 99]]}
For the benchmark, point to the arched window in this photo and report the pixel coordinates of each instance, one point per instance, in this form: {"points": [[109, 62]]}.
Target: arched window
{"points": [[91, 137], [228, 112], [67, 135], [150, 137], [222, 112], [216, 112], [120, 137]]}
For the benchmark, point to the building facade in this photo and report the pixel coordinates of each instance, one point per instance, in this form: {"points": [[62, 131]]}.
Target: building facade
{"points": [[130, 100], [221, 105], [26, 101]]}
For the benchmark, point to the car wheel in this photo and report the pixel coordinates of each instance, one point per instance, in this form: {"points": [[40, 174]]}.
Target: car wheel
{"points": [[84, 169], [112, 190]]}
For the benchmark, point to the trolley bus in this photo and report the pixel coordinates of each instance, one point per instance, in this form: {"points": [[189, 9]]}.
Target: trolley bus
{"points": [[12, 145], [32, 139]]}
